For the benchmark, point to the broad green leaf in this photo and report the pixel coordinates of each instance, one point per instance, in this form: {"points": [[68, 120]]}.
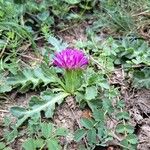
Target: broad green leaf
{"points": [[123, 115], [2, 145], [51, 73], [129, 128], [120, 104], [46, 129], [4, 86], [39, 142], [127, 146], [47, 95], [121, 128], [103, 83], [95, 104], [48, 105], [30, 78], [91, 135], [29, 144], [52, 144], [10, 136], [98, 115], [142, 78], [107, 105], [132, 139], [101, 131], [18, 111], [92, 78], [87, 123], [79, 134], [33, 144], [79, 97], [35, 102], [61, 132], [125, 143], [91, 93], [106, 140]]}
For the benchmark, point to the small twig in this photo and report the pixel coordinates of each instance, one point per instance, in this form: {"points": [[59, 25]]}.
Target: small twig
{"points": [[146, 13], [2, 139], [30, 57], [144, 104], [5, 111], [24, 47], [39, 38], [75, 117], [42, 146], [142, 141], [25, 64], [115, 136], [5, 97]]}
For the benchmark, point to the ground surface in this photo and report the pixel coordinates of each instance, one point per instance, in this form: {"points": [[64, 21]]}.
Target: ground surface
{"points": [[68, 114]]}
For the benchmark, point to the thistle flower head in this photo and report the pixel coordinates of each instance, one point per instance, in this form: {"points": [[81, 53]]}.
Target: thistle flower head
{"points": [[70, 59]]}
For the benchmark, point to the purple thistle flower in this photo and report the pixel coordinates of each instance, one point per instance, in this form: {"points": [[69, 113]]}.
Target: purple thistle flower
{"points": [[70, 59]]}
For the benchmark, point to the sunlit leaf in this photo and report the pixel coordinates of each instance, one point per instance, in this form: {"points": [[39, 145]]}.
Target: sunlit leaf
{"points": [[72, 1], [87, 123], [44, 106], [46, 129], [52, 144], [91, 93], [79, 134]]}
